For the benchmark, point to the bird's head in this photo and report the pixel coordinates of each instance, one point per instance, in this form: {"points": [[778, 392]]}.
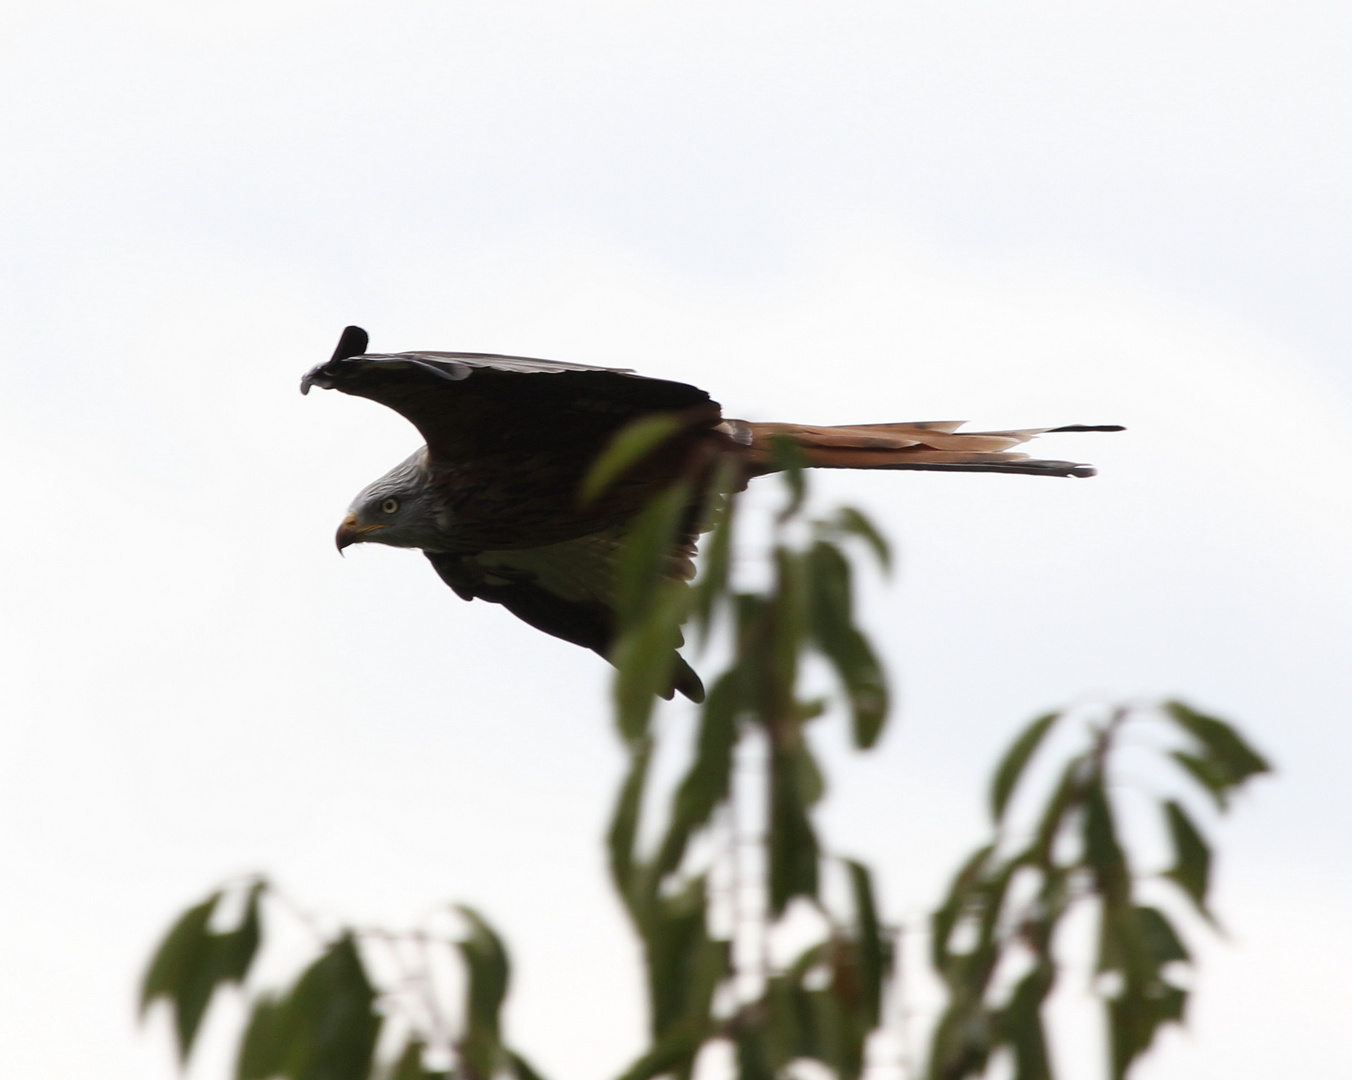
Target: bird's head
{"points": [[396, 510]]}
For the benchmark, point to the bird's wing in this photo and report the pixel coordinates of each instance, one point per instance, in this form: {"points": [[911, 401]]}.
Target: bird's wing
{"points": [[566, 589], [468, 405]]}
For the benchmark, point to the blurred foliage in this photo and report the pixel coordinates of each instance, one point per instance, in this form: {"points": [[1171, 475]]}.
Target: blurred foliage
{"points": [[993, 938], [705, 985], [721, 870]]}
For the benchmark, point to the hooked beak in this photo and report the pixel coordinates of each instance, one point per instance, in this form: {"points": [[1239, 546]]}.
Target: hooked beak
{"points": [[349, 532]]}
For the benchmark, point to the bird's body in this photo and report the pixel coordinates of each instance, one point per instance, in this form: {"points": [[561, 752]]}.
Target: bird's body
{"points": [[493, 498]]}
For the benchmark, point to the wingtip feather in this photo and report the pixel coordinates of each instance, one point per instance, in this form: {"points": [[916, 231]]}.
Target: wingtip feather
{"points": [[352, 342]]}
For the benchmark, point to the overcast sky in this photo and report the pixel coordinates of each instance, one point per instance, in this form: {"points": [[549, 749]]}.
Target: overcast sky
{"points": [[1020, 214]]}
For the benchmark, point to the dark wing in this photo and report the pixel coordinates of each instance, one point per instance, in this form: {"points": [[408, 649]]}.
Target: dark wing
{"points": [[511, 438], [463, 404], [565, 589]]}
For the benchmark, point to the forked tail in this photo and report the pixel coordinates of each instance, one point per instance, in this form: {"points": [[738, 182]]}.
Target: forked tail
{"points": [[935, 445]]}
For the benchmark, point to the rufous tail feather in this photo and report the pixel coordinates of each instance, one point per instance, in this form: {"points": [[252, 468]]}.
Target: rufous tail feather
{"points": [[934, 444]]}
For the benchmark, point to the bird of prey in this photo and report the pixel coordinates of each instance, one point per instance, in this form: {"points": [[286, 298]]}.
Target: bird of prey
{"points": [[492, 499]]}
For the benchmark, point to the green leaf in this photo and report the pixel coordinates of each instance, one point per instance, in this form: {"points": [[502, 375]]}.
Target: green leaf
{"points": [[673, 1053], [644, 562], [1226, 760], [238, 948], [521, 1068], [787, 611], [1159, 936], [865, 683], [684, 964], [176, 972], [707, 782], [1192, 856], [968, 974], [1122, 945], [331, 1013], [1020, 1023], [192, 962], [409, 1065], [488, 973], [263, 1049], [624, 826], [945, 918], [650, 606], [753, 1055], [831, 1031], [711, 586], [792, 851], [851, 521], [1103, 852], [785, 1030], [1066, 797], [811, 782], [1204, 770], [324, 1029], [835, 635], [962, 1041], [488, 969], [1053, 901], [1138, 942], [645, 660], [630, 445], [788, 459], [1134, 1019], [1018, 755], [871, 942], [832, 591]]}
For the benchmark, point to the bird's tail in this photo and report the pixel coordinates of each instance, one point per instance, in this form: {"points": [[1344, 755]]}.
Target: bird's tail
{"points": [[935, 444]]}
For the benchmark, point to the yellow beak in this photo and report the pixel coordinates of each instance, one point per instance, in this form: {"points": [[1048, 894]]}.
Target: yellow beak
{"points": [[349, 532]]}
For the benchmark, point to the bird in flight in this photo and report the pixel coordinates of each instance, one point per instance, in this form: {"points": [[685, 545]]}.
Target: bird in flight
{"points": [[493, 498]]}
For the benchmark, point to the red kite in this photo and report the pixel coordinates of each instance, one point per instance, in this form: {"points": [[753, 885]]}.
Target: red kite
{"points": [[492, 499]]}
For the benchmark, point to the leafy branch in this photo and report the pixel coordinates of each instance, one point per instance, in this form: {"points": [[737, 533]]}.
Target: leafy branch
{"points": [[1007, 903], [712, 870], [825, 1002], [328, 1023]]}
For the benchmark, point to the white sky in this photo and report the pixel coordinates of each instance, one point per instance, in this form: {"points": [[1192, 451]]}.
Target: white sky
{"points": [[1022, 214]]}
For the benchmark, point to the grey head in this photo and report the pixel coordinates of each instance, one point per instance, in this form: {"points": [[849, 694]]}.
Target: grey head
{"points": [[398, 509]]}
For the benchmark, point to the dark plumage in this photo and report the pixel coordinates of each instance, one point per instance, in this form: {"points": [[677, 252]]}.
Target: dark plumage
{"points": [[492, 499]]}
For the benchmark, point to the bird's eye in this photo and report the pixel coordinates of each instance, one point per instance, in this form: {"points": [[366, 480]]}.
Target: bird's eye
{"points": [[389, 506]]}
